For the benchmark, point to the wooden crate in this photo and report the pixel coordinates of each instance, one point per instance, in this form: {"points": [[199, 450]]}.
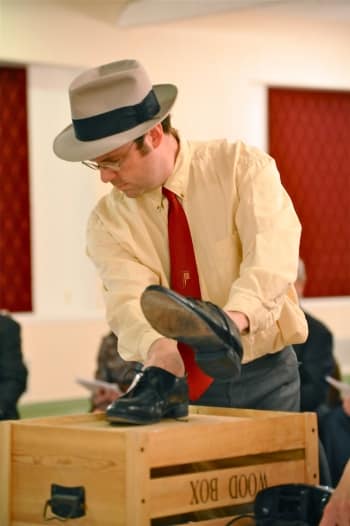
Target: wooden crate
{"points": [[175, 472]]}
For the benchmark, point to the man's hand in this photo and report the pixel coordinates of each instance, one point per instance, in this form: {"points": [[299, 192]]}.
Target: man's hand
{"points": [[240, 319], [103, 397], [337, 511]]}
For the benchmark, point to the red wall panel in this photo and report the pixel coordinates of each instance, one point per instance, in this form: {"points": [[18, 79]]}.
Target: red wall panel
{"points": [[309, 136], [15, 258]]}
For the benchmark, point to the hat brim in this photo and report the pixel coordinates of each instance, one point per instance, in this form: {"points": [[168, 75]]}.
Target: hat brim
{"points": [[67, 147]]}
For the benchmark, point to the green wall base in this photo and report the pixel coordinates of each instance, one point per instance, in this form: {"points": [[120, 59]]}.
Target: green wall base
{"points": [[53, 408]]}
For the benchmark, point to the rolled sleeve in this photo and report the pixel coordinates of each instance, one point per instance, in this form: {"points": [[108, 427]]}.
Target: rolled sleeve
{"points": [[269, 230], [124, 278]]}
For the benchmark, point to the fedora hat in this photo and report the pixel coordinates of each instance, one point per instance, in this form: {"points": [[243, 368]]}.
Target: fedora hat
{"points": [[111, 105]]}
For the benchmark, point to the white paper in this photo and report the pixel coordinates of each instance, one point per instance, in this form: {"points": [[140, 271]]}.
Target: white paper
{"points": [[94, 385], [341, 386]]}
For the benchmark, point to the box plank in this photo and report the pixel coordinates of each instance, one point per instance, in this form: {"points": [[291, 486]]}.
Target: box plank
{"points": [[218, 488], [203, 435]]}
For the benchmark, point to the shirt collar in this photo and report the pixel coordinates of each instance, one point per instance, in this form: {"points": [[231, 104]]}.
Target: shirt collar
{"points": [[178, 180]]}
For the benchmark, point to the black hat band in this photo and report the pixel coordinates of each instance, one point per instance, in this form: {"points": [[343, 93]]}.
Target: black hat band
{"points": [[116, 121]]}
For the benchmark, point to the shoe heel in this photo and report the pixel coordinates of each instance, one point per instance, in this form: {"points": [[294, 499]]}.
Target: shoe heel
{"points": [[178, 411]]}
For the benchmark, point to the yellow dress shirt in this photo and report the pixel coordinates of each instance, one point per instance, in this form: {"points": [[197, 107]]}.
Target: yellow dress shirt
{"points": [[245, 234]]}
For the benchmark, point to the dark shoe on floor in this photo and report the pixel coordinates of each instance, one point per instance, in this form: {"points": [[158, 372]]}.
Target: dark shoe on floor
{"points": [[157, 394], [200, 324]]}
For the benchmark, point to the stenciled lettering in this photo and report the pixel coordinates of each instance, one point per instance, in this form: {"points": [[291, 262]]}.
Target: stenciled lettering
{"points": [[204, 490], [241, 486]]}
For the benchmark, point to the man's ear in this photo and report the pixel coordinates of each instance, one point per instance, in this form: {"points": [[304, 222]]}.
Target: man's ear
{"points": [[156, 134]]}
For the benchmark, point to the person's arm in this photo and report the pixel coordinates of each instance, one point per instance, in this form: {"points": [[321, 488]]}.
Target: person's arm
{"points": [[269, 232], [13, 372], [337, 511], [317, 362], [113, 369], [126, 269], [102, 397], [346, 405]]}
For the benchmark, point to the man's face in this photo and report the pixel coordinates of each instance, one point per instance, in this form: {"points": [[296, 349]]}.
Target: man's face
{"points": [[131, 170]]}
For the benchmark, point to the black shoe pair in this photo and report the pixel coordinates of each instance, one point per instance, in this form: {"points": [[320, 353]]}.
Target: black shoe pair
{"points": [[203, 326]]}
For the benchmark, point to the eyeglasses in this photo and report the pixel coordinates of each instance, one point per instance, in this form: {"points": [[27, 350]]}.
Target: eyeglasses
{"points": [[115, 166]]}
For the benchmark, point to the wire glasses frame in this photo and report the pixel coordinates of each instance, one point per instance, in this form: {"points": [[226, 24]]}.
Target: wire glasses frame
{"points": [[109, 165]]}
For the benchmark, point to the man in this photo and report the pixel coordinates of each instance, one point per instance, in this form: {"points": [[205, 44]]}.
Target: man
{"points": [[334, 430], [13, 372], [245, 235]]}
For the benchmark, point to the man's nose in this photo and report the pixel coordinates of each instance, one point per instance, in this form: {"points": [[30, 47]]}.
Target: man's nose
{"points": [[107, 175]]}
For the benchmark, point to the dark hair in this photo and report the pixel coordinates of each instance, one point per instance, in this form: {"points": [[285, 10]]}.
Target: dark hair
{"points": [[167, 128]]}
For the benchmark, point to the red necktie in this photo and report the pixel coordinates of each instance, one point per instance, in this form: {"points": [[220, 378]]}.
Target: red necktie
{"points": [[184, 280]]}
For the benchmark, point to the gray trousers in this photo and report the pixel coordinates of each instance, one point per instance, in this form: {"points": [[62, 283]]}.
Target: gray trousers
{"points": [[271, 382]]}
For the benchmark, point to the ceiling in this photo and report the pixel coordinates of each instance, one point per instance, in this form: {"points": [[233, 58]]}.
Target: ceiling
{"points": [[132, 13], [141, 12]]}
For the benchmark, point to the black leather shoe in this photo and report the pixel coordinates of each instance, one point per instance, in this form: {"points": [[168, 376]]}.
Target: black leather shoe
{"points": [[156, 395], [200, 324]]}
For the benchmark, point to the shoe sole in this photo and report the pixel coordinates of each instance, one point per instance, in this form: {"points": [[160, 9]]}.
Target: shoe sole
{"points": [[179, 412], [172, 318]]}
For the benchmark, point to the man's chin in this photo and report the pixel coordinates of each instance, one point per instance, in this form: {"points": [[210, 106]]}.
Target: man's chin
{"points": [[132, 193], [125, 190]]}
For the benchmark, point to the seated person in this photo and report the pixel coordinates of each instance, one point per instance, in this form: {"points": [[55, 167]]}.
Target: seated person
{"points": [[13, 372], [334, 399], [113, 369], [316, 361], [316, 358], [334, 430]]}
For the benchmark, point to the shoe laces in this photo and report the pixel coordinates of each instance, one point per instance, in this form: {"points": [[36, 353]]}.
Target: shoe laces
{"points": [[142, 379], [137, 382]]}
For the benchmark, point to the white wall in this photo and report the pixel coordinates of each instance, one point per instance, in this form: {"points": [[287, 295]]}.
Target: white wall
{"points": [[222, 66]]}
